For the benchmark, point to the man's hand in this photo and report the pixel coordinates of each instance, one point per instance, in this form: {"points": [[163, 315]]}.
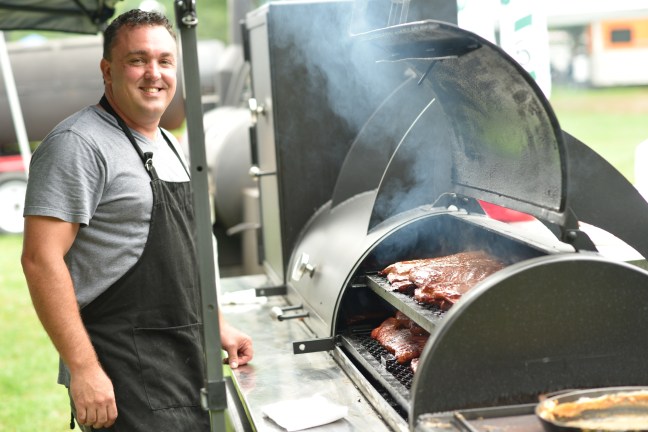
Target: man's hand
{"points": [[237, 344], [94, 397]]}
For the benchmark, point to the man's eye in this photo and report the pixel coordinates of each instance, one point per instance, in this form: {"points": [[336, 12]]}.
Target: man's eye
{"points": [[137, 61]]}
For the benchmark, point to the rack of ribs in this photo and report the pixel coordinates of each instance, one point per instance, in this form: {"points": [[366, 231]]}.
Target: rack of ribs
{"points": [[398, 273], [443, 280], [402, 337]]}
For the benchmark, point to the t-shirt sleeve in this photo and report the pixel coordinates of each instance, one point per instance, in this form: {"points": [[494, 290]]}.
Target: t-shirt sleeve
{"points": [[66, 179]]}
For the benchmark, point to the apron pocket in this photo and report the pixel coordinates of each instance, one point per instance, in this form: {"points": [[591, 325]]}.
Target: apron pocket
{"points": [[171, 363]]}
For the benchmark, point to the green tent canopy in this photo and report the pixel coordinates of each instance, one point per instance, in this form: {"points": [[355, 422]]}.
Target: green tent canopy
{"points": [[73, 16]]}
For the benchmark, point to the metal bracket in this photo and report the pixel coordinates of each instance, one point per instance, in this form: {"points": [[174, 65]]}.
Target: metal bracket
{"points": [[214, 397], [270, 291], [149, 161], [471, 205], [186, 13], [314, 345], [256, 109]]}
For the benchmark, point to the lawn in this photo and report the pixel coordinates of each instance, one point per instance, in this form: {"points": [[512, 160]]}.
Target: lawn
{"points": [[612, 121], [31, 399]]}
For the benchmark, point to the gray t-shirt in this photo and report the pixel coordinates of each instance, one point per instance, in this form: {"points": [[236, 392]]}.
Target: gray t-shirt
{"points": [[86, 171]]}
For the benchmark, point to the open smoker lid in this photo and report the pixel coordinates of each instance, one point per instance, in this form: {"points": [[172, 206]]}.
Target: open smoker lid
{"points": [[487, 131], [470, 122]]}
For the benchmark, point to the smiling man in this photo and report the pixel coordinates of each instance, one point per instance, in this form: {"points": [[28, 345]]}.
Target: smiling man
{"points": [[109, 247], [139, 73]]}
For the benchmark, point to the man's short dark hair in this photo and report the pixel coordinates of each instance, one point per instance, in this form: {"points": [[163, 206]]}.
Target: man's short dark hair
{"points": [[133, 18]]}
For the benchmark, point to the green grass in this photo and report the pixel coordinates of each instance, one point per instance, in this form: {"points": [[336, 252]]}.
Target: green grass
{"points": [[31, 399], [612, 121]]}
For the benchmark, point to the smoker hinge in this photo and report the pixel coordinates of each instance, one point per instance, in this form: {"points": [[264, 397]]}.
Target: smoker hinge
{"points": [[579, 240], [270, 291], [314, 345], [571, 234]]}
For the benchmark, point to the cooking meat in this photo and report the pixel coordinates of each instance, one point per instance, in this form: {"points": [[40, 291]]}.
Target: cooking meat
{"points": [[441, 281], [443, 295], [401, 336], [403, 267], [398, 273], [449, 268], [414, 364]]}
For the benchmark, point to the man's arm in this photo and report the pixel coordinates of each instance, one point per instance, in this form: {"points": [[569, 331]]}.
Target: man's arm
{"points": [[46, 241]]}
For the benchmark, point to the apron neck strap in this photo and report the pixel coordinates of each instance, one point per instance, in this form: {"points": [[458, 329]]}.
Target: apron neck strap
{"points": [[147, 157]]}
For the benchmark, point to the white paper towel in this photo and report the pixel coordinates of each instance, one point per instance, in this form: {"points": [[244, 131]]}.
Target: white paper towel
{"points": [[294, 415]]}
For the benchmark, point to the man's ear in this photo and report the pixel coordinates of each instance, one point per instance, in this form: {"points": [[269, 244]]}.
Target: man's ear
{"points": [[104, 65]]}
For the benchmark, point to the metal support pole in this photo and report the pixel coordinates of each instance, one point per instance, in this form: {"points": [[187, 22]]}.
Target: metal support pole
{"points": [[14, 104], [214, 395]]}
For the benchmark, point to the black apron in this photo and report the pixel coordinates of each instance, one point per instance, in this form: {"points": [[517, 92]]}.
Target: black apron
{"points": [[146, 328]]}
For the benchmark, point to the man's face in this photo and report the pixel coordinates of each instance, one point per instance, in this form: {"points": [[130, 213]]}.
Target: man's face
{"points": [[140, 78]]}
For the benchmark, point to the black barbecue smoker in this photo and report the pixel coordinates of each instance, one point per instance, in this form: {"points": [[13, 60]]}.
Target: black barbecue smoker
{"points": [[379, 130]]}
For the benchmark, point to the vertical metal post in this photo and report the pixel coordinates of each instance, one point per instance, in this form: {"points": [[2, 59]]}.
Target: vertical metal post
{"points": [[14, 104], [214, 395]]}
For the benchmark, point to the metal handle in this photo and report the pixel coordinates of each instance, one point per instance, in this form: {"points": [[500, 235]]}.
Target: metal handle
{"points": [[255, 172], [278, 313], [256, 109], [302, 266], [245, 226]]}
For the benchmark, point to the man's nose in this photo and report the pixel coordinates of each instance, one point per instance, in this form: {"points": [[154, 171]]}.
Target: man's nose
{"points": [[153, 71]]}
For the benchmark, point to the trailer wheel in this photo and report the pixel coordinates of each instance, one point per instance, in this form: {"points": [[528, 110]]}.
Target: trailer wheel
{"points": [[13, 187]]}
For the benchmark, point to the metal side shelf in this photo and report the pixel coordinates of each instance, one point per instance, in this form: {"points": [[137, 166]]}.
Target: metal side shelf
{"points": [[428, 317], [276, 374]]}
